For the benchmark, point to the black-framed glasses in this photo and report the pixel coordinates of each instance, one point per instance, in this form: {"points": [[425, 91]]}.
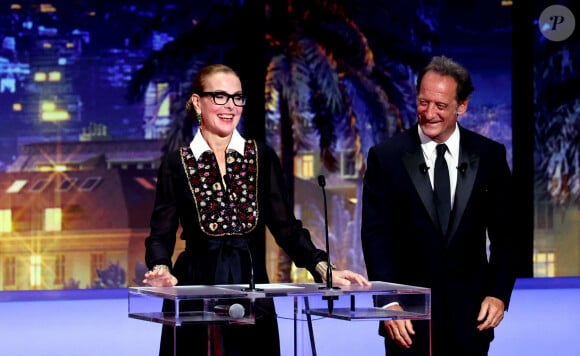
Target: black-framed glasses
{"points": [[221, 97]]}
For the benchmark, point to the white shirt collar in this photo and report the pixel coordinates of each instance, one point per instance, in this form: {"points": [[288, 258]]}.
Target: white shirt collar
{"points": [[199, 145], [429, 145]]}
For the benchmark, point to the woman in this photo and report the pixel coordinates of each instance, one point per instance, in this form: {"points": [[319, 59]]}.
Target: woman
{"points": [[224, 191]]}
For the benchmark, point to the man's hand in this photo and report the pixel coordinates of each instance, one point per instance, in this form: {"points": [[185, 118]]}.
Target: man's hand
{"points": [[491, 313], [400, 331]]}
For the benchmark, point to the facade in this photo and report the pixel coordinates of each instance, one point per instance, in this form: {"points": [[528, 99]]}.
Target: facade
{"points": [[75, 215]]}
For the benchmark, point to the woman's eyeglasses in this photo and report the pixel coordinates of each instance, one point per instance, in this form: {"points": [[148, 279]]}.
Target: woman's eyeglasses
{"points": [[221, 97]]}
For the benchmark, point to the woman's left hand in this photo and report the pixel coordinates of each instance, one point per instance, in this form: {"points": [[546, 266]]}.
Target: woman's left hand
{"points": [[160, 277]]}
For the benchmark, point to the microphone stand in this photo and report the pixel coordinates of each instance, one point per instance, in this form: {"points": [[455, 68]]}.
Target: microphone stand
{"points": [[252, 286], [329, 287]]}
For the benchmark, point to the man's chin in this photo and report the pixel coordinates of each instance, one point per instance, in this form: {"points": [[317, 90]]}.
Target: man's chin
{"points": [[432, 129]]}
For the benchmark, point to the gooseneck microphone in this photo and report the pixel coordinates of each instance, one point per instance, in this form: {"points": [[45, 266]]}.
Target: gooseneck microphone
{"points": [[322, 184], [228, 186], [330, 298], [252, 286]]}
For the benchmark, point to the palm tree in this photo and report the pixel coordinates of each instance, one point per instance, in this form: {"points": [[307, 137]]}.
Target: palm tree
{"points": [[219, 36], [324, 86], [556, 136]]}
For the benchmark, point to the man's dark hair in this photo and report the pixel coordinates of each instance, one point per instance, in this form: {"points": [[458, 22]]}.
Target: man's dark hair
{"points": [[447, 67]]}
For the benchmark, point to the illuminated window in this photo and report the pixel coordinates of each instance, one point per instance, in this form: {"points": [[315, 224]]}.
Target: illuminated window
{"points": [[59, 269], [164, 107], [50, 112], [70, 45], [35, 271], [307, 166], [161, 88], [40, 77], [46, 7], [5, 220], [57, 115], [47, 105], [54, 76], [17, 107], [162, 99], [16, 186], [304, 166], [545, 264], [52, 219], [9, 271]]}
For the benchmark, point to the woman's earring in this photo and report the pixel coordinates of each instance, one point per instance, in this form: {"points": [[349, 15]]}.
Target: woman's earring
{"points": [[198, 117]]}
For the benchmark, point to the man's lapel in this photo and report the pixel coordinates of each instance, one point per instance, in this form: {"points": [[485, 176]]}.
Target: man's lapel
{"points": [[418, 171], [466, 173]]}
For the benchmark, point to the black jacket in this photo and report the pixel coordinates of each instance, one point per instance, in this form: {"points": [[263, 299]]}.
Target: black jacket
{"points": [[403, 244]]}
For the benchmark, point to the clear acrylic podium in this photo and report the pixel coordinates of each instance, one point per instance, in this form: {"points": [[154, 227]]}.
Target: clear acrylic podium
{"points": [[346, 303]]}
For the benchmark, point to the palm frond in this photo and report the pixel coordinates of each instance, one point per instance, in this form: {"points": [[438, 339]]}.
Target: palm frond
{"points": [[340, 37]]}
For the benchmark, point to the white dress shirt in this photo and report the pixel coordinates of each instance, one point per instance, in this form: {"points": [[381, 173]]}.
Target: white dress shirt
{"points": [[451, 156]]}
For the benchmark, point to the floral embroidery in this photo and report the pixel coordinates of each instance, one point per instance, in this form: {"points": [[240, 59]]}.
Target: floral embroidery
{"points": [[224, 211]]}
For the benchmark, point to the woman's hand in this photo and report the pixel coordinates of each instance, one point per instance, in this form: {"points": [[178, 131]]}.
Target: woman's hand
{"points": [[346, 278], [160, 276], [341, 277]]}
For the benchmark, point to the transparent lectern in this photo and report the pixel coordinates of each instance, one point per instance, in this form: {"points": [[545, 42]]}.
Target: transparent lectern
{"points": [[145, 303]]}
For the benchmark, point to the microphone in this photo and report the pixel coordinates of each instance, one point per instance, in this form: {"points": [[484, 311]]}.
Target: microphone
{"points": [[321, 181], [462, 167], [234, 311], [252, 286], [423, 168], [322, 184]]}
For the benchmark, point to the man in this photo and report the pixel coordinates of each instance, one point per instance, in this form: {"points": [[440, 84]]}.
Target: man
{"points": [[414, 234]]}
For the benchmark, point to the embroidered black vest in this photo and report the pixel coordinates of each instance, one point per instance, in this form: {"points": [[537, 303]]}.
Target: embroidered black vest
{"points": [[231, 210]]}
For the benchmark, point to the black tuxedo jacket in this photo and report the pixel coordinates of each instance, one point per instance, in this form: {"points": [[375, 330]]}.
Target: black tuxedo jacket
{"points": [[400, 236]]}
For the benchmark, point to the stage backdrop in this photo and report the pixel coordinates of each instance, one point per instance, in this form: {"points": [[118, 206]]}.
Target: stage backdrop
{"points": [[92, 94]]}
